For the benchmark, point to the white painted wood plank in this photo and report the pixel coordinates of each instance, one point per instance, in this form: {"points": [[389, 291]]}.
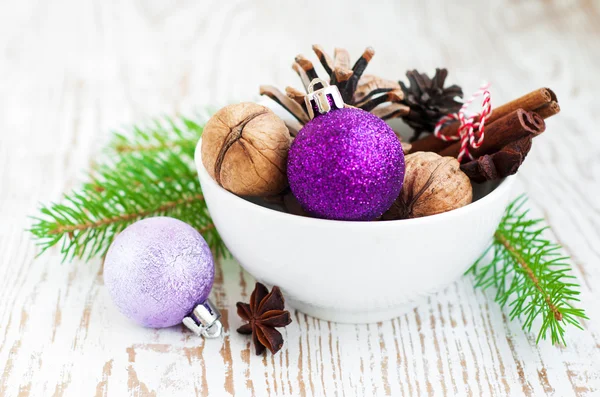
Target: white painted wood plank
{"points": [[72, 70]]}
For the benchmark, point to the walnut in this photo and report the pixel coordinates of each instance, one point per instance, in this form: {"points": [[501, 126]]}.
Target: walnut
{"points": [[245, 148], [432, 184]]}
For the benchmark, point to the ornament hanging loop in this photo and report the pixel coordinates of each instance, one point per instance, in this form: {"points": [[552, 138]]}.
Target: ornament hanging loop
{"points": [[322, 100], [204, 320]]}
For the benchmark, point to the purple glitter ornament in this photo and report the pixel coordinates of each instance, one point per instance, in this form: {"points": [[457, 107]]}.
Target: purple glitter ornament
{"points": [[346, 163], [158, 271]]}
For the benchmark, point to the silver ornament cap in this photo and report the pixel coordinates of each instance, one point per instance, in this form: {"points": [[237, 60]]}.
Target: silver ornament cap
{"points": [[205, 320], [322, 100]]}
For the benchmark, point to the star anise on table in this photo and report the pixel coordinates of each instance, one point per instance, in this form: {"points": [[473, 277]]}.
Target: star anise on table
{"points": [[263, 314]]}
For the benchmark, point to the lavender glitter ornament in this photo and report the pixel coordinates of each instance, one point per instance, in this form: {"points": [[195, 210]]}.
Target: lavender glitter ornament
{"points": [[345, 163], [159, 272]]}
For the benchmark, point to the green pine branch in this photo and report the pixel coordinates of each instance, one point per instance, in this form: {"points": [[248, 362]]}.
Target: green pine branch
{"points": [[150, 172], [530, 275], [167, 135]]}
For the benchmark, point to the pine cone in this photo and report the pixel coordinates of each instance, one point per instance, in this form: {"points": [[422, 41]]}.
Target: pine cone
{"points": [[428, 100], [381, 97]]}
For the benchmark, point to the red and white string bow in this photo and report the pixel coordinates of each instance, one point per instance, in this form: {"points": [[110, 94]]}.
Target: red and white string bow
{"points": [[470, 132]]}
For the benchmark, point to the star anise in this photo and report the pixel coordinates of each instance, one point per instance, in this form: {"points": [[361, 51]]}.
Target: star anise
{"points": [[428, 100], [498, 165], [381, 97], [264, 313]]}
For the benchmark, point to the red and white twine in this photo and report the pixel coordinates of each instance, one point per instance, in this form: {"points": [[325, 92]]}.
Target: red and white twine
{"points": [[470, 132]]}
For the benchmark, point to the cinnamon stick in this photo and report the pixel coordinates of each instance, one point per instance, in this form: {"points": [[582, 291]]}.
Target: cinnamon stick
{"points": [[548, 110], [429, 144], [532, 101], [510, 128]]}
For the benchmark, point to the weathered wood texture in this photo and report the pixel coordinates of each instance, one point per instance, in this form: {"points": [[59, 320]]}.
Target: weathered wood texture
{"points": [[72, 70]]}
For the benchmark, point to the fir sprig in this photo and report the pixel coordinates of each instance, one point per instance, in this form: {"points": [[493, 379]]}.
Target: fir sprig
{"points": [[153, 176], [530, 275], [166, 135]]}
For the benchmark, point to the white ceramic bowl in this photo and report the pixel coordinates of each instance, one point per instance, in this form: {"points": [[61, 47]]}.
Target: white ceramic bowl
{"points": [[353, 272]]}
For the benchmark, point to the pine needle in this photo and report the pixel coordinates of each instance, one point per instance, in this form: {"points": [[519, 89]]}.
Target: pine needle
{"points": [[150, 172], [180, 135], [530, 275]]}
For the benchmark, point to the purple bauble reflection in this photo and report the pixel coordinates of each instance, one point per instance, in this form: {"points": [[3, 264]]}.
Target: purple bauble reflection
{"points": [[157, 270], [347, 165]]}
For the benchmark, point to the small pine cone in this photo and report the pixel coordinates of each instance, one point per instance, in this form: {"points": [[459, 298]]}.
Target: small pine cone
{"points": [[428, 100]]}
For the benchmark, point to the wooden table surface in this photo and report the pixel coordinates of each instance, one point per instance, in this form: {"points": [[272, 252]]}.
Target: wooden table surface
{"points": [[70, 71]]}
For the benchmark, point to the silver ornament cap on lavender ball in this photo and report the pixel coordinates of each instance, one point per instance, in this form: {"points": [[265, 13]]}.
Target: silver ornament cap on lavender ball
{"points": [[205, 320], [159, 272]]}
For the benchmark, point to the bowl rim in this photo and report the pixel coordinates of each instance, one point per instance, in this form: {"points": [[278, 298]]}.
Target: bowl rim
{"points": [[503, 188]]}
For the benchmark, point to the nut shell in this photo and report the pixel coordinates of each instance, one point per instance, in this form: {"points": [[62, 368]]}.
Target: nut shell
{"points": [[432, 184], [244, 149]]}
